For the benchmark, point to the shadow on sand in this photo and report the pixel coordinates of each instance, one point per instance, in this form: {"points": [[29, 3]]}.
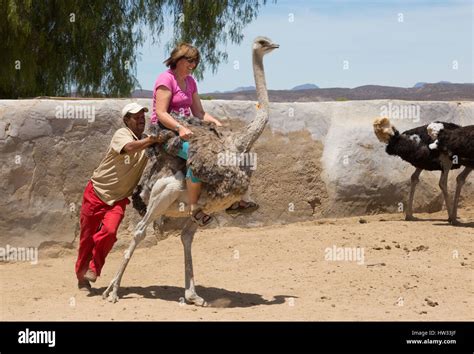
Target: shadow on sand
{"points": [[459, 224], [443, 222], [215, 297]]}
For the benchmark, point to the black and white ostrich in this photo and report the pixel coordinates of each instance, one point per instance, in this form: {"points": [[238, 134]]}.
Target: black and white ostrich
{"points": [[457, 145], [413, 146]]}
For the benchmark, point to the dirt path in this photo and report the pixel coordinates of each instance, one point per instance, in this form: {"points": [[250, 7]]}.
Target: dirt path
{"points": [[411, 271]]}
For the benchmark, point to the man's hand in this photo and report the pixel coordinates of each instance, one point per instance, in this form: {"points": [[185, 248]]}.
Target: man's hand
{"points": [[141, 144], [154, 139]]}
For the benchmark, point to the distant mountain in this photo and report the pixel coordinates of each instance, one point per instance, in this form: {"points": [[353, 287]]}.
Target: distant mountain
{"points": [[252, 88], [142, 94], [422, 84], [149, 93], [305, 87], [428, 92], [243, 88], [442, 91]]}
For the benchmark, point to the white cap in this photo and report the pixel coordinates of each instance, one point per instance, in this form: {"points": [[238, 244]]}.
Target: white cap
{"points": [[133, 108]]}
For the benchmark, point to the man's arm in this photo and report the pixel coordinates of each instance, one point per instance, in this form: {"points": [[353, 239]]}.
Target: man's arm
{"points": [[139, 145]]}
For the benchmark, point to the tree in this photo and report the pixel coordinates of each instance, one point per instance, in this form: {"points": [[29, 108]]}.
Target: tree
{"points": [[55, 47]]}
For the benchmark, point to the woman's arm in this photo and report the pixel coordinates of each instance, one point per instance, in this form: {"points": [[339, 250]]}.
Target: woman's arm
{"points": [[198, 111], [163, 98]]}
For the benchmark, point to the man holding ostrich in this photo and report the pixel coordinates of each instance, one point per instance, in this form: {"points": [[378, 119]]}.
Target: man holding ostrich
{"points": [[106, 194]]}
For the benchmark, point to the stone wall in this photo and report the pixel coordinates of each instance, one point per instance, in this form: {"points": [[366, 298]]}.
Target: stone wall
{"points": [[313, 160]]}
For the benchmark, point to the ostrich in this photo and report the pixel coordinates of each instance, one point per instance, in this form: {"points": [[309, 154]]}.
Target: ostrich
{"points": [[457, 145], [223, 185], [412, 146]]}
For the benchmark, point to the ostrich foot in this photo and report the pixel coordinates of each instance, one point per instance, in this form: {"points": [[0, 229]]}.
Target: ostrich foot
{"points": [[111, 293], [113, 297], [454, 222], [411, 218], [195, 299]]}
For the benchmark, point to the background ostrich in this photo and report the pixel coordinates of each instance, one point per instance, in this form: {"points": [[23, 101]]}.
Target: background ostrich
{"points": [[412, 146], [222, 185], [458, 146]]}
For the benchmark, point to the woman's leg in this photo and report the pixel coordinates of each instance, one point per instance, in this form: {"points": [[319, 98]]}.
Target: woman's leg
{"points": [[194, 191], [193, 186]]}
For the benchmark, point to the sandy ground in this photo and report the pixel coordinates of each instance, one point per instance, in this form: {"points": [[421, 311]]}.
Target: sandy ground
{"points": [[411, 271]]}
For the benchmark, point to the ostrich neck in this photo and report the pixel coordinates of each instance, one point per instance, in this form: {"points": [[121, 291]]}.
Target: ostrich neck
{"points": [[260, 83], [253, 130]]}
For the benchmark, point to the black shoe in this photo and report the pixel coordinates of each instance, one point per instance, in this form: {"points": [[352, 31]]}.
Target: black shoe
{"points": [[84, 285]]}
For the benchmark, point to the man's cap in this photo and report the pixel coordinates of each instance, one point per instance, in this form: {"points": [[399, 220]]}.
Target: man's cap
{"points": [[133, 108]]}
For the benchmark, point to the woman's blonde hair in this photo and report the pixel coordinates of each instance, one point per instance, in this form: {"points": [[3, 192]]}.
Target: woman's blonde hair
{"points": [[183, 50]]}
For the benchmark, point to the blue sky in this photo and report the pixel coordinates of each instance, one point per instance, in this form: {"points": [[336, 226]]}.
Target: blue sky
{"points": [[393, 43]]}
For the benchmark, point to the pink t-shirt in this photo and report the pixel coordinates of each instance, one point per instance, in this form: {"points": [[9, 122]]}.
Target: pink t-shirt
{"points": [[181, 101]]}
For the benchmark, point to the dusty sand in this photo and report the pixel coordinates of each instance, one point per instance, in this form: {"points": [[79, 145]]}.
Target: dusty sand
{"points": [[412, 271]]}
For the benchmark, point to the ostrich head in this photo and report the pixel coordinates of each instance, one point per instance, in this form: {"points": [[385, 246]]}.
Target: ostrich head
{"points": [[434, 129], [263, 45], [383, 129]]}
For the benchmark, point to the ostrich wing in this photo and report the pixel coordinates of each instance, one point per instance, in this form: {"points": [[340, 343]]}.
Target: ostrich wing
{"points": [[208, 146], [215, 162]]}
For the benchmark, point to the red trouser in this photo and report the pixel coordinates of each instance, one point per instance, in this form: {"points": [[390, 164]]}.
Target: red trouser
{"points": [[99, 225]]}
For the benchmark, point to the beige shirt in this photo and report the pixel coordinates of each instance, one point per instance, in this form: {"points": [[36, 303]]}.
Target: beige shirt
{"points": [[118, 173]]}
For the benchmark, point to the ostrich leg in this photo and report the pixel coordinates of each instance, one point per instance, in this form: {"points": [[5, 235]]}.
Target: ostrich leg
{"points": [[415, 178], [446, 164], [111, 293], [187, 236], [460, 180], [164, 193]]}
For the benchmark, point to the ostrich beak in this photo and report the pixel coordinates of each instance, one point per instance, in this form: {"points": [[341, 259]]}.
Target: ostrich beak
{"points": [[274, 46]]}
